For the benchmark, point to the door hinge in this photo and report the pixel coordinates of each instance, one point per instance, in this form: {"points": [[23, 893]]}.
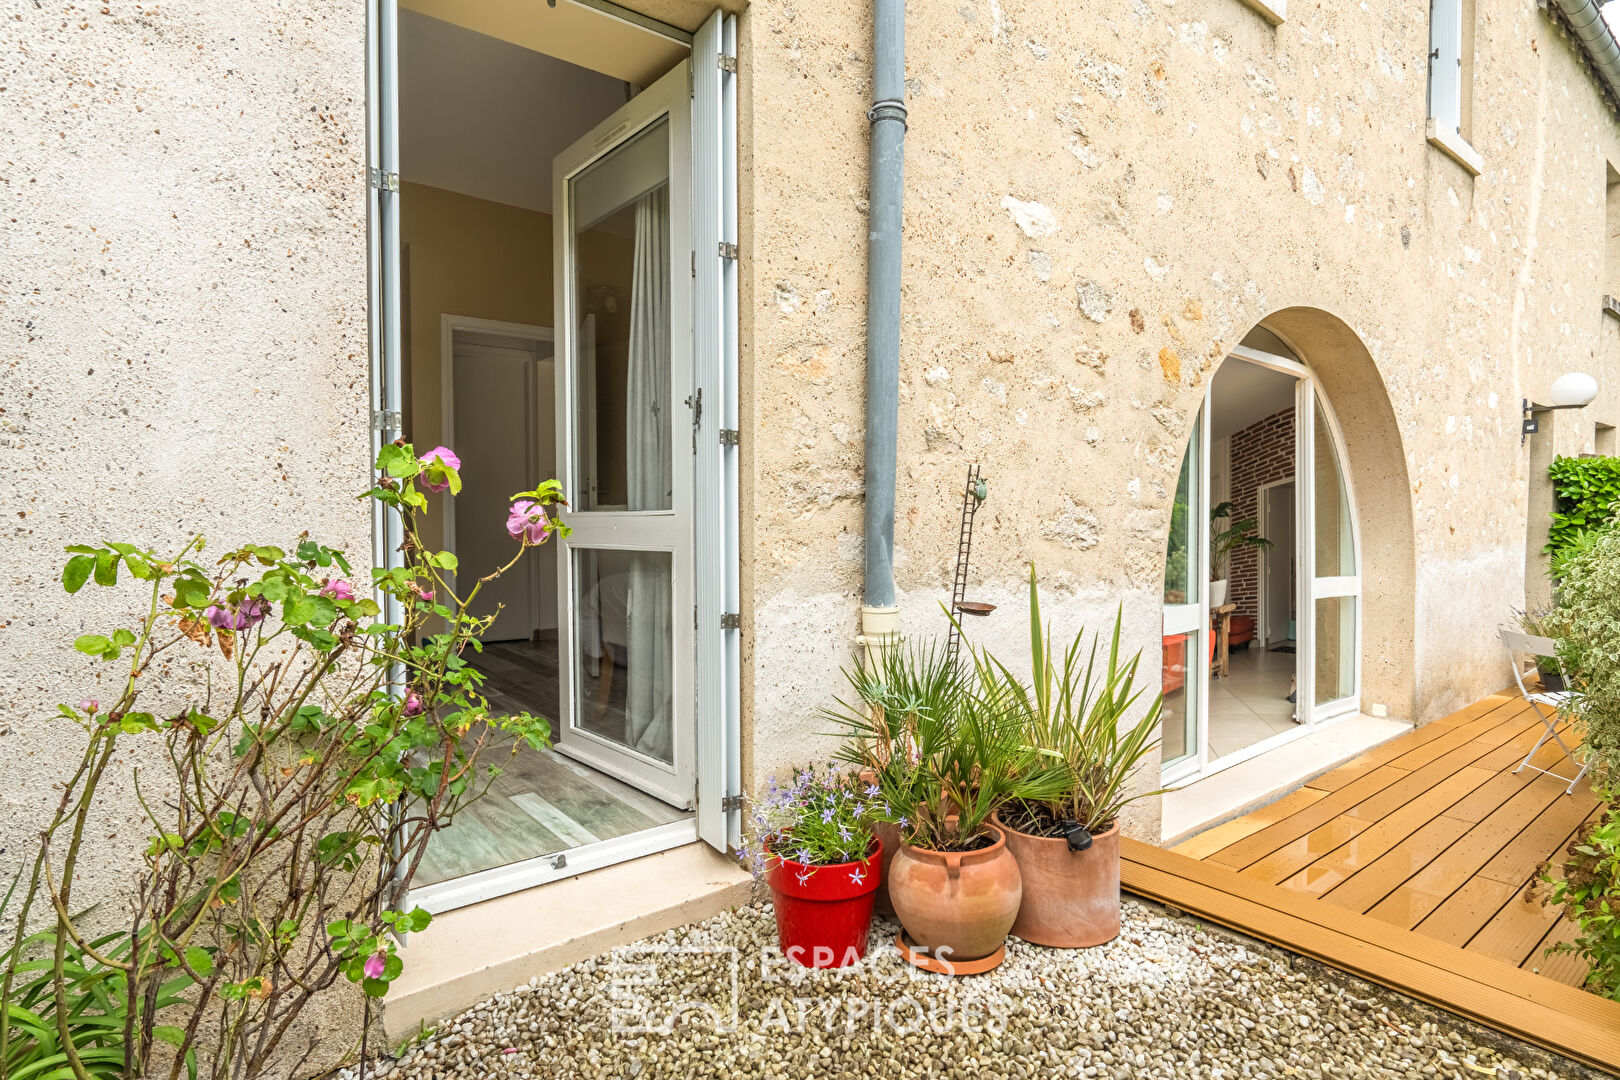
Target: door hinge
{"points": [[730, 436], [384, 181], [728, 251], [731, 803], [728, 63], [694, 263], [385, 420], [730, 620]]}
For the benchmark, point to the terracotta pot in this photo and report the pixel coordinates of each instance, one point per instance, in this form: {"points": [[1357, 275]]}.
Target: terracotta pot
{"points": [[958, 905], [889, 836], [1071, 898]]}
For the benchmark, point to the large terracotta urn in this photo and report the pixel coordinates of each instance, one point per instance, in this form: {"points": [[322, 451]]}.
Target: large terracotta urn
{"points": [[957, 906], [889, 836], [1070, 898]]}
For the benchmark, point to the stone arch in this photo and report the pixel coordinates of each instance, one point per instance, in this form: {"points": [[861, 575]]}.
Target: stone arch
{"points": [[1377, 467]]}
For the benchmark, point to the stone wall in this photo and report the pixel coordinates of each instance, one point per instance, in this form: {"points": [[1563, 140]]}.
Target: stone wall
{"points": [[1100, 201]]}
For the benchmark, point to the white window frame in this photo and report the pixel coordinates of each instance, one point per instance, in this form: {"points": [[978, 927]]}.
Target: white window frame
{"points": [[715, 330], [1197, 765], [1446, 88]]}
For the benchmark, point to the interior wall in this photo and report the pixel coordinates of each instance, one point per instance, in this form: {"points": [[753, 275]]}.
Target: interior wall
{"points": [[467, 257]]}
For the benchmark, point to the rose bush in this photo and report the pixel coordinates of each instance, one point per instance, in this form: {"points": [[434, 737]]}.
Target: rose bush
{"points": [[312, 749]]}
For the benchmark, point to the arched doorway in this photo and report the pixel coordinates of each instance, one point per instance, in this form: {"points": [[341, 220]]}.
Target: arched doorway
{"points": [[1262, 594]]}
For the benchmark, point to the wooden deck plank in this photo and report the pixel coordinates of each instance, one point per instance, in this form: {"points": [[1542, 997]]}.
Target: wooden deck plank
{"points": [[1515, 729], [1475, 903], [1381, 754], [1480, 727], [1298, 854], [1430, 887], [1459, 747], [1388, 872], [1564, 968], [1380, 837], [1210, 841], [1563, 1019], [1546, 835]]}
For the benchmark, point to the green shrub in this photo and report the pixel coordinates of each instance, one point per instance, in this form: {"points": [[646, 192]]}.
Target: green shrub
{"points": [[1586, 491], [1588, 617], [1590, 894]]}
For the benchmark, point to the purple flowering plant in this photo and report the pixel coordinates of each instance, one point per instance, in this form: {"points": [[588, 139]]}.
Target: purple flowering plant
{"points": [[313, 735], [821, 817]]}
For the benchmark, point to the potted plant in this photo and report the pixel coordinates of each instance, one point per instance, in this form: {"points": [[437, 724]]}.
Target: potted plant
{"points": [[1237, 535], [1067, 844], [943, 755], [812, 843]]}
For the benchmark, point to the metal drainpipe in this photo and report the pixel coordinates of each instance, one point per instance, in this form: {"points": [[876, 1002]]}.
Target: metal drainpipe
{"points": [[1587, 22], [879, 615]]}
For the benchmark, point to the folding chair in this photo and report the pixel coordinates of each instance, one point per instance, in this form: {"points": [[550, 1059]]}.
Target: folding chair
{"points": [[1522, 652]]}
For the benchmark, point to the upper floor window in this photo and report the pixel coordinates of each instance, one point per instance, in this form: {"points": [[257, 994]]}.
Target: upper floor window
{"points": [[1451, 78]]}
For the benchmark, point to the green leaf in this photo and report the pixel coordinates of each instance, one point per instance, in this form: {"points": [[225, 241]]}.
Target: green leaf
{"points": [[398, 462], [192, 591], [77, 572], [107, 568], [201, 961], [92, 644]]}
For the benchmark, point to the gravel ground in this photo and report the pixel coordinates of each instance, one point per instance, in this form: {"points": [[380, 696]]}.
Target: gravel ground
{"points": [[1169, 998]]}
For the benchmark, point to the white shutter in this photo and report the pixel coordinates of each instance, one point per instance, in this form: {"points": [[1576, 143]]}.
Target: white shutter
{"points": [[1445, 65], [714, 356]]}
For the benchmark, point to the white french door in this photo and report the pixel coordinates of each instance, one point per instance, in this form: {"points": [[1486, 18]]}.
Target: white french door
{"points": [[625, 410], [1325, 569]]}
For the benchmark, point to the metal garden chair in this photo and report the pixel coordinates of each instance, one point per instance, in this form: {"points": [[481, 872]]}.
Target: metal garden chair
{"points": [[1523, 649]]}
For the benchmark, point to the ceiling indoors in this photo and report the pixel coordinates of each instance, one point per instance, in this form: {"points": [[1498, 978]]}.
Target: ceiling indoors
{"points": [[567, 31], [1244, 393], [483, 117]]}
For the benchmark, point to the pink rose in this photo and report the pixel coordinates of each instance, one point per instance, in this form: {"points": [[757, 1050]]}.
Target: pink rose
{"points": [[528, 522], [249, 613], [338, 589], [440, 467], [90, 705], [413, 703], [376, 964]]}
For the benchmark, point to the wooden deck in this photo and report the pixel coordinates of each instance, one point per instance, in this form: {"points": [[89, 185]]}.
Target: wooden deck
{"points": [[1411, 866]]}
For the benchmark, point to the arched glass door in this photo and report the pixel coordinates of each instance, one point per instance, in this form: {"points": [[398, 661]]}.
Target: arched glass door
{"points": [[1262, 585]]}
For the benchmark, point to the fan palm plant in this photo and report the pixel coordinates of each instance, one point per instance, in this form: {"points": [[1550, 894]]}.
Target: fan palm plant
{"points": [[1076, 715]]}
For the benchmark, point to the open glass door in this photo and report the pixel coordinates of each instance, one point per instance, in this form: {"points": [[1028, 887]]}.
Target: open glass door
{"points": [[1185, 645], [624, 419], [1335, 577]]}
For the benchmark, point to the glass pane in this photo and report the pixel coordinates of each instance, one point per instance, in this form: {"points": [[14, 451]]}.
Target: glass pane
{"points": [[624, 644], [1179, 718], [621, 222], [1335, 648], [1335, 539], [1181, 562]]}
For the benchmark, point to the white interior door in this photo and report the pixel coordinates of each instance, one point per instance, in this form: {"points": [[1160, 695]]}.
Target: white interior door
{"points": [[625, 420], [497, 386], [1277, 525]]}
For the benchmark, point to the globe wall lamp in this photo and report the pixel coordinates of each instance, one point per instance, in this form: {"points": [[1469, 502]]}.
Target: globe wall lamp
{"points": [[1575, 390]]}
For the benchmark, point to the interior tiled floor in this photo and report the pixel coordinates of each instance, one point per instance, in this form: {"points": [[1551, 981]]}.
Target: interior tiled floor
{"points": [[1251, 703]]}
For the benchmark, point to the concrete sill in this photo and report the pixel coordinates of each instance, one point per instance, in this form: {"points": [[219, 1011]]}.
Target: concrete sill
{"points": [[1274, 11], [1456, 148], [473, 952]]}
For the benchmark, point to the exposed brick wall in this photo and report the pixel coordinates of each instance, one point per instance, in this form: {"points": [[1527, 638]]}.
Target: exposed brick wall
{"points": [[1262, 453]]}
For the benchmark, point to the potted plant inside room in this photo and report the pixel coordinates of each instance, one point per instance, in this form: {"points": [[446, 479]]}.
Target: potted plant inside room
{"points": [[1066, 842], [942, 761], [1236, 536], [811, 840]]}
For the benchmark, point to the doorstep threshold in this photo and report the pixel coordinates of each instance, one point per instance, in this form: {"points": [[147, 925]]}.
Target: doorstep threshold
{"points": [[1205, 802], [473, 952]]}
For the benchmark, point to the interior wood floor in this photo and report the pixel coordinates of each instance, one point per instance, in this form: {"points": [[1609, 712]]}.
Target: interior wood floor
{"points": [[543, 802], [1432, 832]]}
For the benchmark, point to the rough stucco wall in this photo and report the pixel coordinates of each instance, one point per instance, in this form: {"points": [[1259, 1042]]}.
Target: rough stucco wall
{"points": [[182, 272], [1193, 170]]}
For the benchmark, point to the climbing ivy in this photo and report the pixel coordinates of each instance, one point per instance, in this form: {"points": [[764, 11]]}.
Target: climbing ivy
{"points": [[1586, 490]]}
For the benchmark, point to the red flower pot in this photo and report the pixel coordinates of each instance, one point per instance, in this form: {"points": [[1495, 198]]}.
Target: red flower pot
{"points": [[823, 913]]}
